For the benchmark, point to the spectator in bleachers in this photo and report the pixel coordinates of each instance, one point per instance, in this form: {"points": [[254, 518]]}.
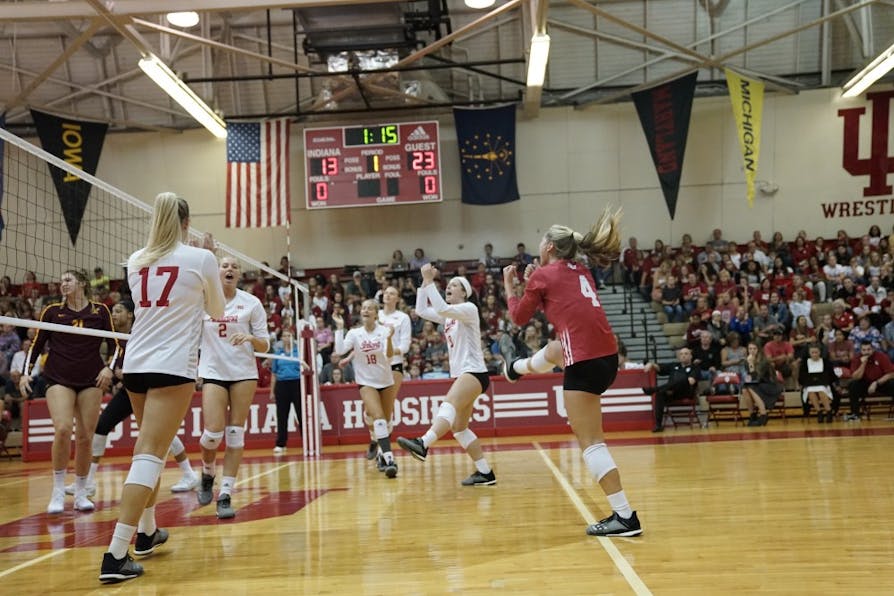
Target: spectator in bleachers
{"points": [[285, 267], [801, 252], [706, 356], [709, 256], [835, 273], [631, 263], [398, 262], [99, 280], [682, 383], [419, 259], [846, 291], [841, 349], [780, 352], [874, 265], [732, 357], [5, 286], [742, 324], [816, 377], [875, 235], [10, 342], [29, 284], [888, 335], [825, 331], [864, 332], [717, 327], [781, 249], [764, 324], [871, 374], [841, 317], [694, 330], [24, 311], [490, 261], [779, 309], [815, 279], [355, 286], [717, 242], [691, 291], [670, 300], [752, 273], [325, 338], [801, 336], [725, 285], [760, 388], [862, 303], [328, 370], [759, 242], [801, 307]]}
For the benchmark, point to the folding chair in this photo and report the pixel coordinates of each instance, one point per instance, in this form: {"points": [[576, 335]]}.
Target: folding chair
{"points": [[779, 406], [725, 405], [680, 409]]}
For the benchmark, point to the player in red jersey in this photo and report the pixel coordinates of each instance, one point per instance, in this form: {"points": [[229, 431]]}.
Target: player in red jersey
{"points": [[77, 377], [587, 349]]}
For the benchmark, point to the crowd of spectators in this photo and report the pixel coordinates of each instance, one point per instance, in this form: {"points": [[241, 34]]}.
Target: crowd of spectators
{"points": [[784, 295]]}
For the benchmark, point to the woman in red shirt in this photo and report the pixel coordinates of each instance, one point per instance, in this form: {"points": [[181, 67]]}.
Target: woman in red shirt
{"points": [[564, 289]]}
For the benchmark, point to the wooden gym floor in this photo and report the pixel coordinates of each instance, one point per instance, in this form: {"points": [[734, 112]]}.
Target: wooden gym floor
{"points": [[796, 508]]}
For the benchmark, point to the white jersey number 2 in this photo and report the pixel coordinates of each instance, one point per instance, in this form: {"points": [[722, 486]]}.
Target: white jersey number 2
{"points": [[587, 290]]}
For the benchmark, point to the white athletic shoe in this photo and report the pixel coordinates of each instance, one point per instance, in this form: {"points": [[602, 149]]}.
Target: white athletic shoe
{"points": [[57, 502], [189, 481], [91, 489], [82, 503], [279, 450]]}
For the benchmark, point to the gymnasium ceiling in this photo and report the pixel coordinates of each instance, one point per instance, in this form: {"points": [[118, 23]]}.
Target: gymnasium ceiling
{"points": [[320, 60]]}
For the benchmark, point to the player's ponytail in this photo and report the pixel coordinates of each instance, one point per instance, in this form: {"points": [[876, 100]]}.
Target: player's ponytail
{"points": [[601, 244], [167, 228]]}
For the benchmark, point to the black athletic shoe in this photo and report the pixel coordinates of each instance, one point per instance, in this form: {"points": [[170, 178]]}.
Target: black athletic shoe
{"points": [[118, 570], [414, 446], [648, 390], [391, 470], [205, 494], [145, 544], [479, 479], [224, 508], [509, 372], [615, 525], [372, 451]]}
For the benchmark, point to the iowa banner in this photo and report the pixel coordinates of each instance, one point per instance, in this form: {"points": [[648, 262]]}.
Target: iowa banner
{"points": [[747, 97], [486, 140], [664, 114], [79, 144]]}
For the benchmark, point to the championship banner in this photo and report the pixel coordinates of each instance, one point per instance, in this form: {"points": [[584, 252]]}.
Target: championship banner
{"points": [[486, 141], [747, 97], [79, 144], [664, 114]]}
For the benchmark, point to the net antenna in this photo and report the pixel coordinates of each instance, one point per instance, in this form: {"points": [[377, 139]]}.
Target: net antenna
{"points": [[36, 240]]}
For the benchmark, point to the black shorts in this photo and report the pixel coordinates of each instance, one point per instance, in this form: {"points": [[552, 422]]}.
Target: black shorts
{"points": [[591, 376], [483, 378], [75, 388], [225, 384], [143, 382], [398, 368]]}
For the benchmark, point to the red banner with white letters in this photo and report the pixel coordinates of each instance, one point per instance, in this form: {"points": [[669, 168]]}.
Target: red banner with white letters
{"points": [[534, 405]]}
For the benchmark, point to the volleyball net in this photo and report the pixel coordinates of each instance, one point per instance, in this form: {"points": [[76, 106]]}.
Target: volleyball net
{"points": [[41, 239]]}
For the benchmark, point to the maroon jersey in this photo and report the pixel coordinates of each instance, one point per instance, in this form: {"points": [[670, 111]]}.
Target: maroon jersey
{"points": [[73, 360], [565, 291]]}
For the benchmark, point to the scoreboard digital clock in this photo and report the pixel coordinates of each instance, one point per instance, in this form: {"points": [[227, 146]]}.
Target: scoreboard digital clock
{"points": [[358, 166]]}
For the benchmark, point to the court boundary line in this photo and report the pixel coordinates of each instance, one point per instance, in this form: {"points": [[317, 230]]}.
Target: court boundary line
{"points": [[633, 580], [33, 561]]}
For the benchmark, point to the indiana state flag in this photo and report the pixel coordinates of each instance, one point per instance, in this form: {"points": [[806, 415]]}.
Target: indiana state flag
{"points": [[486, 140]]}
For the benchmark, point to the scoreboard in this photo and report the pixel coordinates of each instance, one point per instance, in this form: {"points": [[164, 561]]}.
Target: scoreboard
{"points": [[382, 164]]}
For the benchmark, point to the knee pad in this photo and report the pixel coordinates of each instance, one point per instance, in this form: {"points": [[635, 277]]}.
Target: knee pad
{"points": [[98, 449], [210, 440], [145, 470], [465, 437], [235, 437], [177, 446], [447, 412], [380, 429], [599, 461]]}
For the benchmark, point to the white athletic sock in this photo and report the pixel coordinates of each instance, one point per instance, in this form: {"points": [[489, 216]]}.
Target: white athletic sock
{"points": [[535, 364], [121, 538], [186, 467], [147, 521], [619, 504], [80, 483], [59, 479], [429, 438], [91, 475], [482, 466], [226, 485]]}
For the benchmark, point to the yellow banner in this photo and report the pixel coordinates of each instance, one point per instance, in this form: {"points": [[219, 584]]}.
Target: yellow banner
{"points": [[747, 97]]}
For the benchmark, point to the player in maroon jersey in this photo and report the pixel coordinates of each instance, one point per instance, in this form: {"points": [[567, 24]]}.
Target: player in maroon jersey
{"points": [[77, 377], [563, 288]]}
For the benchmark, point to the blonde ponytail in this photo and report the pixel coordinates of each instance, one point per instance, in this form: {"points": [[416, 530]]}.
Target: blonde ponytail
{"points": [[601, 244], [166, 229]]}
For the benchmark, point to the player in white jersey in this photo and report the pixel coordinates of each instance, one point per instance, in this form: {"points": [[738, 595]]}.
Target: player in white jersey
{"points": [[229, 375], [372, 352], [400, 341], [173, 285], [462, 328]]}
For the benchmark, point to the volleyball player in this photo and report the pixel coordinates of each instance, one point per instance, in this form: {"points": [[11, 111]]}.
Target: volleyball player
{"points": [[173, 286], [119, 409], [372, 352], [76, 377], [229, 375], [398, 320], [587, 348], [462, 328]]}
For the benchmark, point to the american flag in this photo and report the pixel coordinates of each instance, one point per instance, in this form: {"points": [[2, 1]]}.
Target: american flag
{"points": [[258, 174]]}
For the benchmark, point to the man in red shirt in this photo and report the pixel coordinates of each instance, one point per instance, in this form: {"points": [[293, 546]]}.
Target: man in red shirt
{"points": [[872, 373]]}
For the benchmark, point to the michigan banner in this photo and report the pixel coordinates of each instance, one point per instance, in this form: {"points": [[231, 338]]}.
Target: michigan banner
{"points": [[79, 144], [664, 114], [747, 97], [486, 140]]}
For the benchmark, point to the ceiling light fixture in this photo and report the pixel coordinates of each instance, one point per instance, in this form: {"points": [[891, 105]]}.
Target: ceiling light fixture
{"points": [[537, 59], [875, 70], [479, 4], [165, 78], [184, 20]]}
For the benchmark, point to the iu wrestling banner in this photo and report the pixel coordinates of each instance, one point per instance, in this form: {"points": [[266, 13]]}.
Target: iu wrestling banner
{"points": [[747, 97], [664, 114], [79, 144], [486, 141]]}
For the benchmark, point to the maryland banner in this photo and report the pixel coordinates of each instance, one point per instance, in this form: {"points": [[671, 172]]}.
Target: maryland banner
{"points": [[747, 97], [664, 114], [486, 140], [79, 144]]}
